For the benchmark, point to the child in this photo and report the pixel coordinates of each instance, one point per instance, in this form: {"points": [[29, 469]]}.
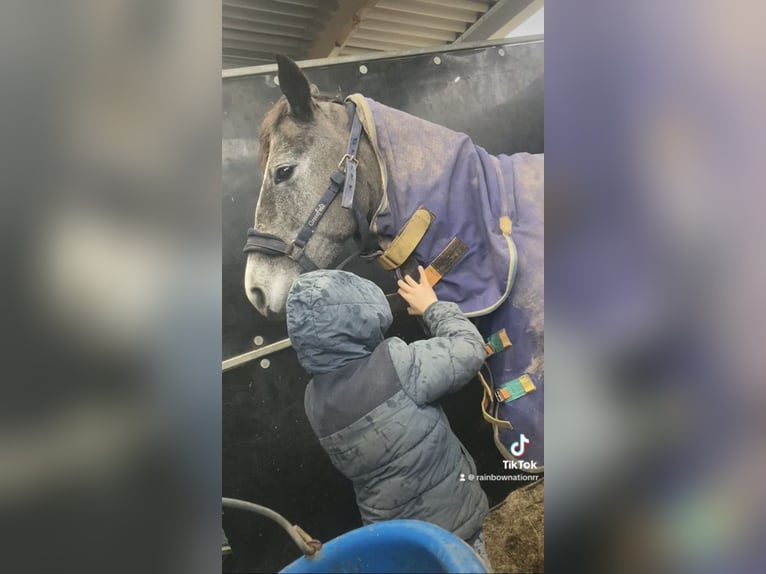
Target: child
{"points": [[372, 401]]}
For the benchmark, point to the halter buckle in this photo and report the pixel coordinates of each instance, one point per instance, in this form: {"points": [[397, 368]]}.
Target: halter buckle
{"points": [[347, 157]]}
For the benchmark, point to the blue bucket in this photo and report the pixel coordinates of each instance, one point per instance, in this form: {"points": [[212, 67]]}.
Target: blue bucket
{"points": [[393, 546]]}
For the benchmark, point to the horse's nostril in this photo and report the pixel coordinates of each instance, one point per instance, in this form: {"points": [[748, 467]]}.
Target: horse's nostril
{"points": [[258, 298]]}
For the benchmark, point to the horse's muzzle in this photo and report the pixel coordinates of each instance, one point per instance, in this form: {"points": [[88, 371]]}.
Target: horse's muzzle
{"points": [[268, 244]]}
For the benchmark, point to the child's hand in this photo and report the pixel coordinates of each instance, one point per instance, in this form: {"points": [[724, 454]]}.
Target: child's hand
{"points": [[419, 296]]}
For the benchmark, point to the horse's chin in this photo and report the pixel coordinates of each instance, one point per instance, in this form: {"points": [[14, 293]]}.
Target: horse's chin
{"points": [[274, 317], [266, 311]]}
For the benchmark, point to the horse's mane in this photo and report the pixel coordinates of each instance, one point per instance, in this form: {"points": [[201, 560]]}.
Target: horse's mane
{"points": [[274, 116]]}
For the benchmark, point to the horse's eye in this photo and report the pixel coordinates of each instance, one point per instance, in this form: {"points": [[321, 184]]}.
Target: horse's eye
{"points": [[283, 173]]}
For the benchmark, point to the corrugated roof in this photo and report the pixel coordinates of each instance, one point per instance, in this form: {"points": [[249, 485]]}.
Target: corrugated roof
{"points": [[255, 30], [392, 25]]}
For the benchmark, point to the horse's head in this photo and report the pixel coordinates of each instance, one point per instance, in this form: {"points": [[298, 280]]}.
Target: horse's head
{"points": [[303, 137]]}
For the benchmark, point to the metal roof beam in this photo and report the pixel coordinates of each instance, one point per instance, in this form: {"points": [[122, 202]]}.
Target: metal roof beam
{"points": [[340, 26], [500, 19]]}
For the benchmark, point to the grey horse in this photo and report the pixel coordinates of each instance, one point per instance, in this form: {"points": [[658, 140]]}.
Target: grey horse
{"points": [[488, 210]]}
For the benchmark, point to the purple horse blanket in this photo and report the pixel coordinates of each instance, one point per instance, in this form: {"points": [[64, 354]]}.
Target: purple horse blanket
{"points": [[494, 205]]}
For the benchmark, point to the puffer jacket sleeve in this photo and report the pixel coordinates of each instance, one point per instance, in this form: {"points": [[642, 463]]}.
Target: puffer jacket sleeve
{"points": [[434, 367]]}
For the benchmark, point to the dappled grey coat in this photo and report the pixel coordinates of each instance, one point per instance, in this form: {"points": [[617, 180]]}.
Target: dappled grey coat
{"points": [[372, 401]]}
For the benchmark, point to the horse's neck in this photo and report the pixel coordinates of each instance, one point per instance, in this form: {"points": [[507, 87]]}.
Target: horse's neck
{"points": [[413, 150], [416, 144]]}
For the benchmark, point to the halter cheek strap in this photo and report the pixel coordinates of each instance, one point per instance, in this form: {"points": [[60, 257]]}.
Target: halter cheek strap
{"points": [[350, 158], [344, 177]]}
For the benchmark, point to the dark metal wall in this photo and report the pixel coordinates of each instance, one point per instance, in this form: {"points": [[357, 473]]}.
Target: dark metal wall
{"points": [[270, 456]]}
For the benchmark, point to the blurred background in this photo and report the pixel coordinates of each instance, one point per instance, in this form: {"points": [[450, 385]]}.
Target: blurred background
{"points": [[110, 234], [654, 286], [110, 219]]}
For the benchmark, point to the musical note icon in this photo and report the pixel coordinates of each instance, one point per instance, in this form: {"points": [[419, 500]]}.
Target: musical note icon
{"points": [[520, 446]]}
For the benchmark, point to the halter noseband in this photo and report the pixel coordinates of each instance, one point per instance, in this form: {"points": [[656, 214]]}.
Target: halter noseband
{"points": [[344, 177]]}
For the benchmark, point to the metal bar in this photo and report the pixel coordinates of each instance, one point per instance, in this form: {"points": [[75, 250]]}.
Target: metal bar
{"points": [[394, 300], [250, 356], [520, 18], [309, 548], [306, 64], [496, 19]]}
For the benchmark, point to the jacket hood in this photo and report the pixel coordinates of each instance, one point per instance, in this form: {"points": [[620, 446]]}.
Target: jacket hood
{"points": [[334, 318]]}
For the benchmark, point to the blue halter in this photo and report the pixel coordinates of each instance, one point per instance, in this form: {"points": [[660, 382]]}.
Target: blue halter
{"points": [[344, 177]]}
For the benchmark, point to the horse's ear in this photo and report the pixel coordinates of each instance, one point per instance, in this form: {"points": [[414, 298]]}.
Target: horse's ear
{"points": [[295, 86]]}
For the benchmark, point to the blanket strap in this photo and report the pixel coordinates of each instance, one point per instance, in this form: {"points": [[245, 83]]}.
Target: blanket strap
{"points": [[486, 402], [515, 389], [446, 260], [406, 240], [497, 342]]}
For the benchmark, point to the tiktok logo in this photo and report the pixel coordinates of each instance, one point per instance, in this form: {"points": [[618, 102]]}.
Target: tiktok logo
{"points": [[520, 446]]}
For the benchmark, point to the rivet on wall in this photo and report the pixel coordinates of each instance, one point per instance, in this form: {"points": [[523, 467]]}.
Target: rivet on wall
{"points": [[258, 340], [437, 60], [265, 363], [501, 52], [362, 69]]}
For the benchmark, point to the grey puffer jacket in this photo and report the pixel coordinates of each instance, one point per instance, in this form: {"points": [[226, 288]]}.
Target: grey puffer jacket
{"points": [[371, 400]]}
